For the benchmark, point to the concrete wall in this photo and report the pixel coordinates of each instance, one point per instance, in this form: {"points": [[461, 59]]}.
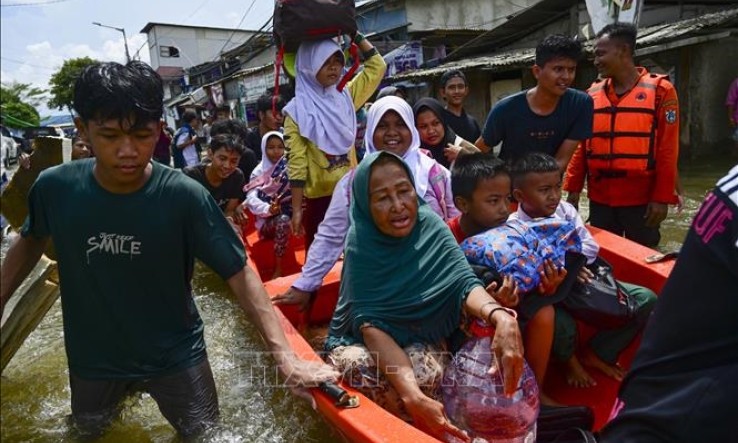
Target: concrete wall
{"points": [[705, 129], [196, 45], [466, 14], [577, 22], [381, 17]]}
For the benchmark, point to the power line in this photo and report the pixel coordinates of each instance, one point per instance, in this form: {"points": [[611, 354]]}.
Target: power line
{"points": [[256, 34], [48, 2], [195, 11], [253, 2], [136, 54], [21, 62]]}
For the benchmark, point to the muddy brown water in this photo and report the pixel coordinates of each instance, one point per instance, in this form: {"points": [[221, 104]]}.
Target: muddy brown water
{"points": [[34, 388]]}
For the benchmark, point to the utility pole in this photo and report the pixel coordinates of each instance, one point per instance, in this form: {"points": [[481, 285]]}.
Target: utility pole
{"points": [[125, 39]]}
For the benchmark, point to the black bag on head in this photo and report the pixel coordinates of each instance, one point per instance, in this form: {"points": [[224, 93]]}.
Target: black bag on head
{"points": [[300, 20], [603, 302]]}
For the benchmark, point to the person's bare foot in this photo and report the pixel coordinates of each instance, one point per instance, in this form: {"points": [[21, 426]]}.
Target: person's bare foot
{"points": [[577, 376], [590, 359], [548, 401]]}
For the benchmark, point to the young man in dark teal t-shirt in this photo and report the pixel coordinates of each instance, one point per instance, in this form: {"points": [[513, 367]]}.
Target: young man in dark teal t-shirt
{"points": [[127, 231], [551, 117]]}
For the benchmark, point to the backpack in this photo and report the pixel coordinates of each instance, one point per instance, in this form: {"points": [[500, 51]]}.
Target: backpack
{"points": [[296, 21]]}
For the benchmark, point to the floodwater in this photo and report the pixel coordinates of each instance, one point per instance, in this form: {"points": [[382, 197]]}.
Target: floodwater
{"points": [[36, 397], [34, 388]]}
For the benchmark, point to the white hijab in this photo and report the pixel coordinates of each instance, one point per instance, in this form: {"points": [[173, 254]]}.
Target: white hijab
{"points": [[418, 162], [325, 116], [267, 164]]}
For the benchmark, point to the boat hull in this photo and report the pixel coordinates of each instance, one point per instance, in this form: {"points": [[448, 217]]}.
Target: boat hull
{"points": [[371, 423]]}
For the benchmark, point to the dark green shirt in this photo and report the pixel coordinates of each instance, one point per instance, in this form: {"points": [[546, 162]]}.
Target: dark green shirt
{"points": [[125, 265]]}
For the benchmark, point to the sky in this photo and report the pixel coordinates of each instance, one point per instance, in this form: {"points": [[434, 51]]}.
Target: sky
{"points": [[36, 36]]}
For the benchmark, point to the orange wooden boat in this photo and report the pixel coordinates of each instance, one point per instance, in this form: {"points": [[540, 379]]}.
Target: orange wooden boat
{"points": [[370, 423]]}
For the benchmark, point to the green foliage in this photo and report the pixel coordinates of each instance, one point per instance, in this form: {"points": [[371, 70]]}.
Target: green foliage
{"points": [[20, 114], [18, 102], [62, 82], [23, 92]]}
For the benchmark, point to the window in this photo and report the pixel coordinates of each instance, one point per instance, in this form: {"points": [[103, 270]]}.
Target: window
{"points": [[168, 51]]}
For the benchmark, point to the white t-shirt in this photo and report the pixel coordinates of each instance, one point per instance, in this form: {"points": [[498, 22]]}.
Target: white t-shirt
{"points": [[190, 152]]}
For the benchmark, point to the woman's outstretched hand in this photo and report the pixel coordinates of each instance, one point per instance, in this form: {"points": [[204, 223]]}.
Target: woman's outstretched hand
{"points": [[293, 296], [428, 416], [507, 346]]}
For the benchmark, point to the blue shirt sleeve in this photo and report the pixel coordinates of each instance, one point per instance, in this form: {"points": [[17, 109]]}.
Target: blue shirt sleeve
{"points": [[494, 127], [583, 110]]}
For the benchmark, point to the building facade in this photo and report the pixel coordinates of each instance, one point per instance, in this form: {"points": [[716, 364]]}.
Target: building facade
{"points": [[679, 39]]}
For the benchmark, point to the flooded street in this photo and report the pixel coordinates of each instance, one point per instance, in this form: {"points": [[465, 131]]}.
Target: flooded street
{"points": [[35, 394], [35, 388]]}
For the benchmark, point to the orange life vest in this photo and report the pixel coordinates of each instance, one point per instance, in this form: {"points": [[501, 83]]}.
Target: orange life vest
{"points": [[623, 135]]}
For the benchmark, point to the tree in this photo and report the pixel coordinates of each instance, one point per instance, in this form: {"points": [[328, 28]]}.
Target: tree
{"points": [[18, 102], [24, 92], [62, 82]]}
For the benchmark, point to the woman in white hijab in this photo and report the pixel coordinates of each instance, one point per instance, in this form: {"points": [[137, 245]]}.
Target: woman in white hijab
{"points": [[320, 125], [390, 127]]}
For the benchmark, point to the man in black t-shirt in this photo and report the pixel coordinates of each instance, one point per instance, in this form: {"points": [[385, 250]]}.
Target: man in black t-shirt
{"points": [[454, 90], [239, 129], [268, 121], [684, 381], [551, 117], [221, 176]]}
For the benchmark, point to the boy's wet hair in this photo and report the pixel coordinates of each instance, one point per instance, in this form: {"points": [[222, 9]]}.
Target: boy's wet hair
{"points": [[534, 162], [131, 93], [624, 33], [264, 103], [557, 46], [231, 126], [451, 73], [470, 169], [228, 141]]}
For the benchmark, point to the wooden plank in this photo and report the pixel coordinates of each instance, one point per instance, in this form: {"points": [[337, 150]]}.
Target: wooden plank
{"points": [[25, 311], [47, 152]]}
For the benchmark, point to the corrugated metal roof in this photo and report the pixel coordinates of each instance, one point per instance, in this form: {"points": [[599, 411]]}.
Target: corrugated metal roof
{"points": [[647, 37], [657, 34], [494, 62], [515, 26]]}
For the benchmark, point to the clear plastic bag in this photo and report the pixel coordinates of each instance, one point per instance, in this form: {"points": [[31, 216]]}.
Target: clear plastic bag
{"points": [[475, 401]]}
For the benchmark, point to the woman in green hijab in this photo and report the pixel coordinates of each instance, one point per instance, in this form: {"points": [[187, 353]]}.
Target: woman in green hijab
{"points": [[404, 285]]}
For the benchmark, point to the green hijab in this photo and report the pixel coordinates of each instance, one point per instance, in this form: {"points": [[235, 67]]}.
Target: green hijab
{"points": [[411, 288]]}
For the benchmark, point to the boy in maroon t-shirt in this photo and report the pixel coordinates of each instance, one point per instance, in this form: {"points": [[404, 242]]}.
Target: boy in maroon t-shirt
{"points": [[482, 187]]}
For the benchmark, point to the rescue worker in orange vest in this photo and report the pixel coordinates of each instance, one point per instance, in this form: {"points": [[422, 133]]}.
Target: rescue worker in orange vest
{"points": [[630, 163]]}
